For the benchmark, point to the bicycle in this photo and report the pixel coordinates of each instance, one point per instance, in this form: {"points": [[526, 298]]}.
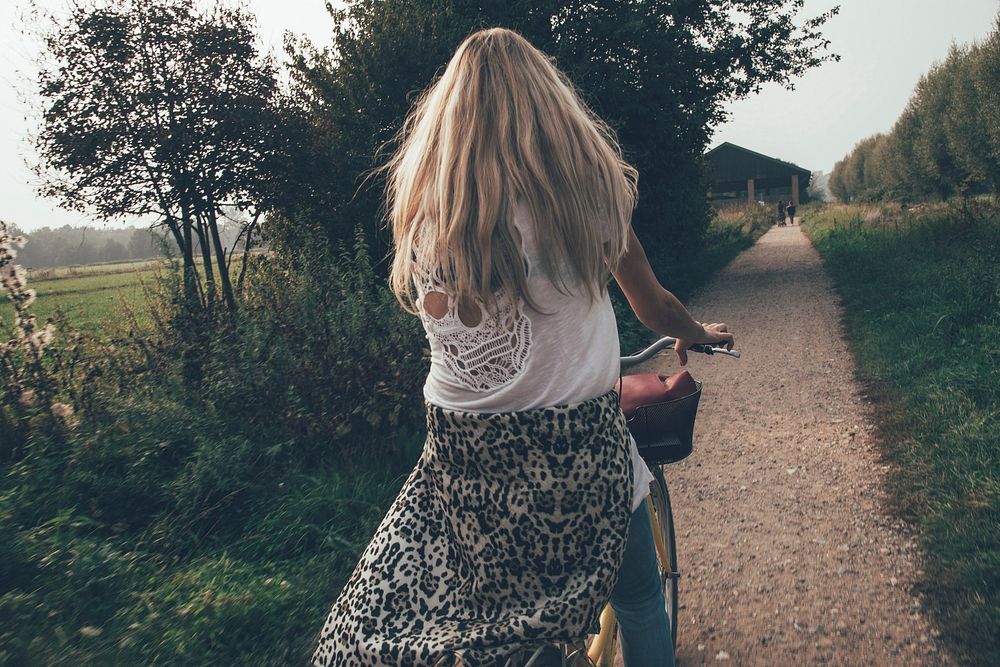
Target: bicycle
{"points": [[600, 649]]}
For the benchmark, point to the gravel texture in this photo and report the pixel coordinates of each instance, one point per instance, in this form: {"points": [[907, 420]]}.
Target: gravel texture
{"points": [[788, 554]]}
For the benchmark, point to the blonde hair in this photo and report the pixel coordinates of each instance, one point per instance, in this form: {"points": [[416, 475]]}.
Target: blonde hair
{"points": [[504, 123]]}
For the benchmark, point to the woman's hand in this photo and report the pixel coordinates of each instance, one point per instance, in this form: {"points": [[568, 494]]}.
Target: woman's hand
{"points": [[716, 334]]}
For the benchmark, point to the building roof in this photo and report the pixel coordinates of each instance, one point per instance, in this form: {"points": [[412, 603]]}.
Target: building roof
{"points": [[732, 163]]}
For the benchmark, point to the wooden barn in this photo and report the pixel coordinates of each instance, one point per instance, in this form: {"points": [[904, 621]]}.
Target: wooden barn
{"points": [[740, 175]]}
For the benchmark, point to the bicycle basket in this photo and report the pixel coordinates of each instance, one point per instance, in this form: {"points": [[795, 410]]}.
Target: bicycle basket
{"points": [[664, 432]]}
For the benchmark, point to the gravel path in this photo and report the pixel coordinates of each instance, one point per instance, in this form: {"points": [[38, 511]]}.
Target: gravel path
{"points": [[787, 553]]}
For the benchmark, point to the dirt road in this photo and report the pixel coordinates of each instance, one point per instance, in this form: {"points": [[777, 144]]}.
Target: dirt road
{"points": [[787, 553]]}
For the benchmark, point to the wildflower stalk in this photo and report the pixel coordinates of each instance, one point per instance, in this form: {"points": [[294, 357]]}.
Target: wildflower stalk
{"points": [[25, 381]]}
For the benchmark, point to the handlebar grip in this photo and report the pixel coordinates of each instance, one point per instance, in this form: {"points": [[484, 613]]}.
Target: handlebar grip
{"points": [[708, 349], [668, 343]]}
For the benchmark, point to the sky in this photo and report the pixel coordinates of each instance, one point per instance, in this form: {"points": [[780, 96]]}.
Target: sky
{"points": [[885, 46]]}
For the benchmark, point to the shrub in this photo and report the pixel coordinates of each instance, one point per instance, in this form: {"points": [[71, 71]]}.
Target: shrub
{"points": [[36, 388]]}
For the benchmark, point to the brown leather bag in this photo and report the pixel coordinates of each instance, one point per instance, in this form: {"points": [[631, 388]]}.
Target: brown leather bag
{"points": [[660, 411]]}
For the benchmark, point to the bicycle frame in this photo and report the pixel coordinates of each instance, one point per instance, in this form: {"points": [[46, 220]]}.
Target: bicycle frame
{"points": [[602, 648]]}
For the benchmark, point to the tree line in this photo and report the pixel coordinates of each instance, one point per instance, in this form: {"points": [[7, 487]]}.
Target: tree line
{"points": [[946, 142], [69, 245]]}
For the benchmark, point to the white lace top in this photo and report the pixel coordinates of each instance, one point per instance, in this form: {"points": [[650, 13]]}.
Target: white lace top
{"points": [[520, 358]]}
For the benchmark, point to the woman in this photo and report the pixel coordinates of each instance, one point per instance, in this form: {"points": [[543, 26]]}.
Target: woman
{"points": [[510, 203]]}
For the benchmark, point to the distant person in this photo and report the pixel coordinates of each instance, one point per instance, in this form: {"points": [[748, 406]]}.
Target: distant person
{"points": [[791, 212], [781, 212]]}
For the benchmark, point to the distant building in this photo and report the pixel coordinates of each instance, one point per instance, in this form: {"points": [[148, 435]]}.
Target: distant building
{"points": [[740, 175]]}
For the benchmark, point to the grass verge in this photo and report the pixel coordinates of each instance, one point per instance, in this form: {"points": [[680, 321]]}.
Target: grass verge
{"points": [[922, 297]]}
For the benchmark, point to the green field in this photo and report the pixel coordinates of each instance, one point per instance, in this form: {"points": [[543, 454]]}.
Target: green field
{"points": [[922, 298], [98, 299], [94, 300]]}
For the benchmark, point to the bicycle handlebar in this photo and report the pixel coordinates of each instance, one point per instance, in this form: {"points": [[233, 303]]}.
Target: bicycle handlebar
{"points": [[667, 343]]}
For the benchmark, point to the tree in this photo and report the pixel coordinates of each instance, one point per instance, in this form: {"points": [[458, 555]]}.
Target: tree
{"points": [[878, 183], [933, 96], [910, 177], [159, 108], [113, 251], [836, 183], [848, 180], [946, 141], [819, 186], [660, 71], [142, 244], [986, 83]]}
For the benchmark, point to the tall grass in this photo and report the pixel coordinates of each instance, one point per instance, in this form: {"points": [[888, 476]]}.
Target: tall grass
{"points": [[922, 297]]}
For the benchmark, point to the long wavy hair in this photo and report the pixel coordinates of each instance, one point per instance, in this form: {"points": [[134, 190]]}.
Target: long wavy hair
{"points": [[501, 124]]}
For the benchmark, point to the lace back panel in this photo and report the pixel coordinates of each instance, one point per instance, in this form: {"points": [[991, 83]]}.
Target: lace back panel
{"points": [[485, 356]]}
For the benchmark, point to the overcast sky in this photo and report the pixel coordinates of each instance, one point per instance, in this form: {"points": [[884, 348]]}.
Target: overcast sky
{"points": [[885, 46]]}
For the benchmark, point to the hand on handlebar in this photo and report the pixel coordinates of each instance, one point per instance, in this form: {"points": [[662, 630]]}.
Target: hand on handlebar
{"points": [[716, 334]]}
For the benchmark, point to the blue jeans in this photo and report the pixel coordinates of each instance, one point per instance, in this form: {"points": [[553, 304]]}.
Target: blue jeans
{"points": [[638, 600]]}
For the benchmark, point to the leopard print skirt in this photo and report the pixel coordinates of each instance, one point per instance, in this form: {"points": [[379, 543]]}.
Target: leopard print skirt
{"points": [[509, 531]]}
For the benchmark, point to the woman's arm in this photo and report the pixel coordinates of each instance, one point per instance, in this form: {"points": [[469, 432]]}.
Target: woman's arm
{"points": [[660, 310]]}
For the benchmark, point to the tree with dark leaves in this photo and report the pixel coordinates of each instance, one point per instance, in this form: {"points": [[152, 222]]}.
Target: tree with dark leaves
{"points": [[162, 109], [660, 71]]}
